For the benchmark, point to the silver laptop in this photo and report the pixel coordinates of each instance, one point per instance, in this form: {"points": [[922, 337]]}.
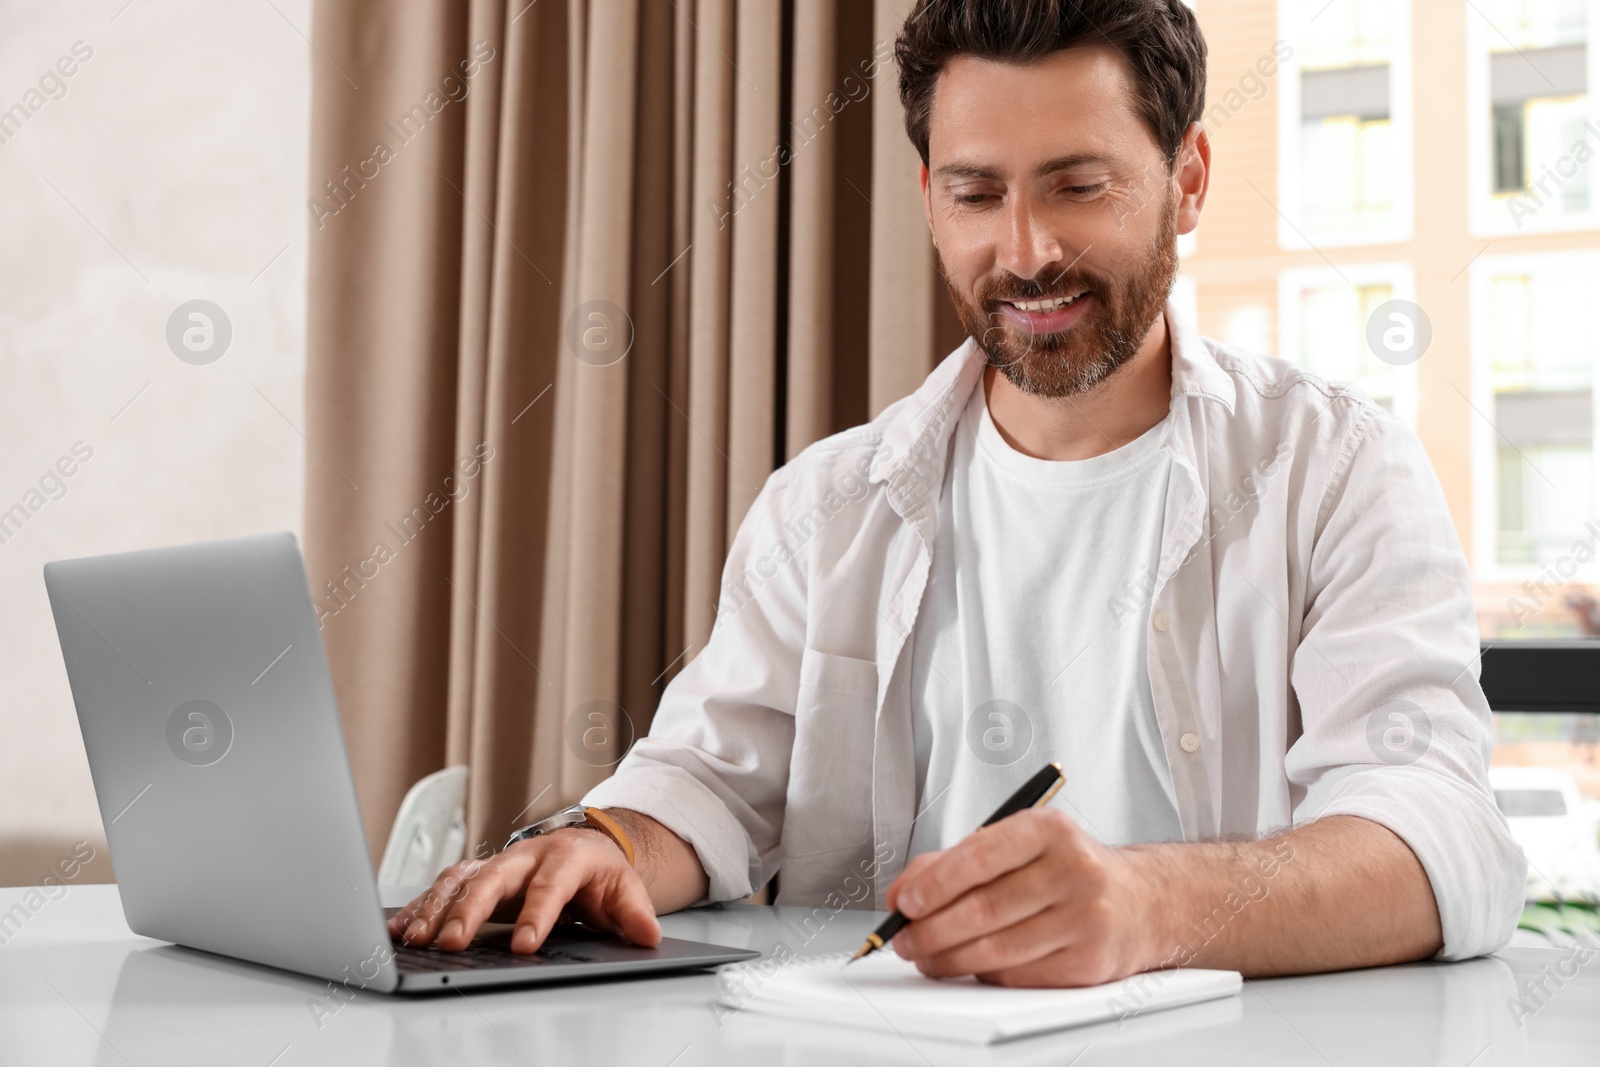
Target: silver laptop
{"points": [[219, 764]]}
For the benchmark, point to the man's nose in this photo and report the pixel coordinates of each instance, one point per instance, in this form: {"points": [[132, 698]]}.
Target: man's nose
{"points": [[1031, 245]]}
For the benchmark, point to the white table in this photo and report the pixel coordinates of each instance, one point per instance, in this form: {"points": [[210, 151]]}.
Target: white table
{"points": [[76, 987]]}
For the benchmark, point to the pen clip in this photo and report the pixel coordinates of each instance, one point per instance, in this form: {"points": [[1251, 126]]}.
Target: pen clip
{"points": [[1061, 780]]}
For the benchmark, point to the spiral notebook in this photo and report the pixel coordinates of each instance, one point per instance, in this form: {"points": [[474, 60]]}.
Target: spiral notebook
{"points": [[884, 992]]}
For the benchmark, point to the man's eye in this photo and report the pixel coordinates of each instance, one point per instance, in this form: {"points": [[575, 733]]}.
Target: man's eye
{"points": [[1086, 190], [971, 198]]}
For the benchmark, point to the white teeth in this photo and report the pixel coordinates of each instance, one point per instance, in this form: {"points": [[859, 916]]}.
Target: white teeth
{"points": [[1046, 305]]}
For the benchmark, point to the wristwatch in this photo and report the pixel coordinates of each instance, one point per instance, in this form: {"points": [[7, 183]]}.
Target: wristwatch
{"points": [[572, 816], [577, 815]]}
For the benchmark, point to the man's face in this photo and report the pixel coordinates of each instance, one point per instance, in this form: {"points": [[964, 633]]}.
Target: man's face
{"points": [[1053, 211]]}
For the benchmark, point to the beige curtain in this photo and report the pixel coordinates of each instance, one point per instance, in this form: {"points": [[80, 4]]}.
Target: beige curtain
{"points": [[582, 274]]}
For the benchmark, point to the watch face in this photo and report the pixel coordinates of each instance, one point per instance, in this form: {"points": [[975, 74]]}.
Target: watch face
{"points": [[572, 816]]}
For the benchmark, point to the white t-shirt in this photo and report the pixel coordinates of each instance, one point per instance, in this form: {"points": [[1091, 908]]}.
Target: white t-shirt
{"points": [[1030, 642]]}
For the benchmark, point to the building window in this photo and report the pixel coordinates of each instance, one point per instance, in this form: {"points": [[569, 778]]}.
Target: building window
{"points": [[1324, 316], [1543, 413], [1532, 125], [1535, 466], [1344, 127]]}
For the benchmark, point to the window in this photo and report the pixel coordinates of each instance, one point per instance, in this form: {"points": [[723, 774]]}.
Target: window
{"points": [[1537, 23], [1324, 316], [1532, 131], [1345, 124], [1534, 463], [1347, 155], [197, 118]]}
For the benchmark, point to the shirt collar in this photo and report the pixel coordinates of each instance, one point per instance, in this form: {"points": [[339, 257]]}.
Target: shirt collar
{"points": [[1195, 371]]}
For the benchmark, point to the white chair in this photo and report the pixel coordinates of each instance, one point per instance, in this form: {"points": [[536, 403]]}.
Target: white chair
{"points": [[430, 830]]}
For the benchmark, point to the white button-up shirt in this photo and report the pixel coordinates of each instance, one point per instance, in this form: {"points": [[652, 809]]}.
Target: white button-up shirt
{"points": [[1313, 651]]}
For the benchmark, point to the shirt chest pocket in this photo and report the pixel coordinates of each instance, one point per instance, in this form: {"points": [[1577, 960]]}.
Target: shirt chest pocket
{"points": [[828, 817], [842, 677]]}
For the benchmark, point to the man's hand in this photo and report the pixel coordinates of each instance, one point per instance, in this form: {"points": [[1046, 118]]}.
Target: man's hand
{"points": [[1029, 901], [1033, 900], [578, 870]]}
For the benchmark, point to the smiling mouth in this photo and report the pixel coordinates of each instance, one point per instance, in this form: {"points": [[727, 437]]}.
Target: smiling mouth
{"points": [[1055, 303]]}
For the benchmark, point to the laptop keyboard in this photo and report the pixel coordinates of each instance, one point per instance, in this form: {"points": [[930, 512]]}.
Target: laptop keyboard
{"points": [[482, 955]]}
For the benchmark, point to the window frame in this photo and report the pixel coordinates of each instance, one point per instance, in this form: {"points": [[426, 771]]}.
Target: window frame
{"points": [[1486, 566], [1486, 217], [1399, 276], [1294, 233]]}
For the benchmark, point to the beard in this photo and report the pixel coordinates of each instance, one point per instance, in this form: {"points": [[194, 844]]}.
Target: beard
{"points": [[1082, 356]]}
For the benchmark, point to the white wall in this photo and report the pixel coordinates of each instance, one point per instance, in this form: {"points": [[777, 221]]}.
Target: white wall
{"points": [[177, 156]]}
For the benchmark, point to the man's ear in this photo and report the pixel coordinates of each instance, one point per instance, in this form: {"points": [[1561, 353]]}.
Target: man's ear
{"points": [[927, 197], [1192, 173]]}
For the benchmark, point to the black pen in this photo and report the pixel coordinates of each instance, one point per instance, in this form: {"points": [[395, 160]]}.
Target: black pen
{"points": [[1035, 792]]}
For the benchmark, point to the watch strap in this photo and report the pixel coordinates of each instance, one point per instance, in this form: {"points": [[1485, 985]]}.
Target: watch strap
{"points": [[609, 826], [578, 815]]}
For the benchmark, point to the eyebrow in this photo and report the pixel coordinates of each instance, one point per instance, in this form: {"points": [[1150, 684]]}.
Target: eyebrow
{"points": [[960, 169]]}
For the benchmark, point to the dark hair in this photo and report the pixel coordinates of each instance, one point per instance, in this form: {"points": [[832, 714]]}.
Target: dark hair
{"points": [[1159, 39]]}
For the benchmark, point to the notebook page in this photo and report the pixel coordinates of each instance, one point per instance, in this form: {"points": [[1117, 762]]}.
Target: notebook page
{"points": [[885, 992]]}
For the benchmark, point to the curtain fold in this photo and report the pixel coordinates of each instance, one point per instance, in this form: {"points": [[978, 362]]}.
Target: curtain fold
{"points": [[582, 274], [753, 295], [809, 414]]}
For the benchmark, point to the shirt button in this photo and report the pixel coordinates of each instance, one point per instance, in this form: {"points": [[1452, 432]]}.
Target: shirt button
{"points": [[1189, 742], [1161, 621]]}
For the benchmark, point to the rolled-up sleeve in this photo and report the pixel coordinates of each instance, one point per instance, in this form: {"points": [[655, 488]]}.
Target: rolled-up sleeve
{"points": [[1395, 725], [714, 768]]}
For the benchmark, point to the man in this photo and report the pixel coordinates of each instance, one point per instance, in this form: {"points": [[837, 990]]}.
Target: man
{"points": [[1225, 596]]}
